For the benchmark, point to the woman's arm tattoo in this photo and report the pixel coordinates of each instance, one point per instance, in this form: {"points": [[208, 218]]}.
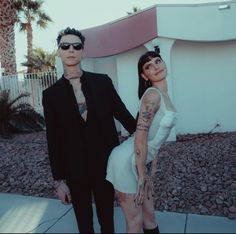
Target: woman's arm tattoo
{"points": [[142, 127], [138, 153], [147, 114]]}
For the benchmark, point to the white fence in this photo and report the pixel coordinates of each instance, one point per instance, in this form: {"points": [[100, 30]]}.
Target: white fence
{"points": [[33, 83]]}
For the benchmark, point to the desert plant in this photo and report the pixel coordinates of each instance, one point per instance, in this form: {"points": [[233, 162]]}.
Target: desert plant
{"points": [[28, 12], [17, 116], [135, 9], [40, 60]]}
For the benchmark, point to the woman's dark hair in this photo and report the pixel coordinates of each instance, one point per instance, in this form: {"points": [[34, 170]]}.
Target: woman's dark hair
{"points": [[143, 84], [69, 31]]}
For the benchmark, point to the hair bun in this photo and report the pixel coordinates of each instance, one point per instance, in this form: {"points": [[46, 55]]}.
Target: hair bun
{"points": [[157, 49]]}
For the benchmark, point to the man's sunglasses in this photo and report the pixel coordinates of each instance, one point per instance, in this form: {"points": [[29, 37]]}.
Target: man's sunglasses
{"points": [[76, 46]]}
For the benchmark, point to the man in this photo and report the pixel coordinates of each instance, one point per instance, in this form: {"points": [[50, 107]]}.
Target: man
{"points": [[79, 111]]}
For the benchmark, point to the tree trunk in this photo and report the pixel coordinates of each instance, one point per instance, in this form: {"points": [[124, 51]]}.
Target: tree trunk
{"points": [[29, 42], [7, 37]]}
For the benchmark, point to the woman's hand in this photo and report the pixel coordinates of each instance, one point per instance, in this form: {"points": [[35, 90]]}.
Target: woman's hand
{"points": [[139, 196], [150, 187], [144, 186]]}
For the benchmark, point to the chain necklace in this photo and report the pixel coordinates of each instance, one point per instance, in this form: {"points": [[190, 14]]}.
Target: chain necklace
{"points": [[74, 77]]}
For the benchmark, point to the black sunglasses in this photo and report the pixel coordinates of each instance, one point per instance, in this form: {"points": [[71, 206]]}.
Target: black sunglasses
{"points": [[76, 45]]}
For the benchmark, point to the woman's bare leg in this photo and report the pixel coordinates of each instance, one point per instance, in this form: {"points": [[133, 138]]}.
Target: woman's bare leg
{"points": [[133, 215], [149, 220]]}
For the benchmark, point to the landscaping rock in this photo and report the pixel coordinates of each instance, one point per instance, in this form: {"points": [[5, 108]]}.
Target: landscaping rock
{"points": [[196, 174]]}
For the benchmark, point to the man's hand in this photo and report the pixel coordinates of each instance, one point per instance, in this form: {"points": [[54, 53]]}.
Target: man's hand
{"points": [[63, 192]]}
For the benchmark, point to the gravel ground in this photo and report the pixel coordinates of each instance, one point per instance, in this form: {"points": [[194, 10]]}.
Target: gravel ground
{"points": [[195, 174]]}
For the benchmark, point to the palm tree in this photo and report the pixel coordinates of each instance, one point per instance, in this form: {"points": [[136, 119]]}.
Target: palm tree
{"points": [[17, 116], [40, 60], [7, 36], [28, 12], [42, 63]]}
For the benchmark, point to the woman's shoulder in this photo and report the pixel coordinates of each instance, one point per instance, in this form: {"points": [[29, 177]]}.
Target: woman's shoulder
{"points": [[150, 99], [151, 94]]}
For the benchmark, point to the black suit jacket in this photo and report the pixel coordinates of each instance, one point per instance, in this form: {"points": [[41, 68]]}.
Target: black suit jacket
{"points": [[67, 147]]}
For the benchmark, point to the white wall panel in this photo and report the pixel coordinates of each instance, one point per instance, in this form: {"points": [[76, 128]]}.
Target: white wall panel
{"points": [[197, 22], [204, 81]]}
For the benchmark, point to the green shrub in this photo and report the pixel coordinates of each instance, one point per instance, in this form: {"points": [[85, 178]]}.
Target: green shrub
{"points": [[18, 117]]}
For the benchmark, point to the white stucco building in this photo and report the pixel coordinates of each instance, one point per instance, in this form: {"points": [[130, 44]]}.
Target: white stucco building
{"points": [[197, 42]]}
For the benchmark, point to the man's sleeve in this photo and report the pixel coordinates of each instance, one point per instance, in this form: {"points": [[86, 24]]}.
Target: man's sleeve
{"points": [[120, 111], [53, 140]]}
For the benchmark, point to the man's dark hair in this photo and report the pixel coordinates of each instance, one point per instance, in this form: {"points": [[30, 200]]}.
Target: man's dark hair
{"points": [[69, 31]]}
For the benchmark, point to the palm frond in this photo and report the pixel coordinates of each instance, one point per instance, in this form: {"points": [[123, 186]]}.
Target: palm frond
{"points": [[22, 95], [4, 96], [18, 115], [23, 26], [40, 60]]}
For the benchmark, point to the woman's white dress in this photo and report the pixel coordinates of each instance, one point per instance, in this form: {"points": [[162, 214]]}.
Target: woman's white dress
{"points": [[121, 169]]}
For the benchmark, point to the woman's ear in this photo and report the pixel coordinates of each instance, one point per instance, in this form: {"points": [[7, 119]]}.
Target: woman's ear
{"points": [[144, 76]]}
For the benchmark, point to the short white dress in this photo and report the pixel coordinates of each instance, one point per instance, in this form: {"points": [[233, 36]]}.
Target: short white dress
{"points": [[121, 169]]}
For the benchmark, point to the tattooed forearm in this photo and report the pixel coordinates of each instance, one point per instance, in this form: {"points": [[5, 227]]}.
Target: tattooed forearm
{"points": [[138, 153], [142, 127]]}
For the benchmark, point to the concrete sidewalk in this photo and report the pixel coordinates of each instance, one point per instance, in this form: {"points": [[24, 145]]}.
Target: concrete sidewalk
{"points": [[24, 214]]}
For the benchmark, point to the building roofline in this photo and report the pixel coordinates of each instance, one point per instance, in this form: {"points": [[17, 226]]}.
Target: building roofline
{"points": [[121, 35]]}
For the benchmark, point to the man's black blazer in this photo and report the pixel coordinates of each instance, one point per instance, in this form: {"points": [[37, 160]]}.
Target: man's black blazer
{"points": [[65, 137]]}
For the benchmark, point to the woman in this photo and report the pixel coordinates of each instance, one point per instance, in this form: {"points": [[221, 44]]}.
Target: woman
{"points": [[127, 163]]}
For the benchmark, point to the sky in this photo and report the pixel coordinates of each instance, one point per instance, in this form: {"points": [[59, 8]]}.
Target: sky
{"points": [[80, 14]]}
